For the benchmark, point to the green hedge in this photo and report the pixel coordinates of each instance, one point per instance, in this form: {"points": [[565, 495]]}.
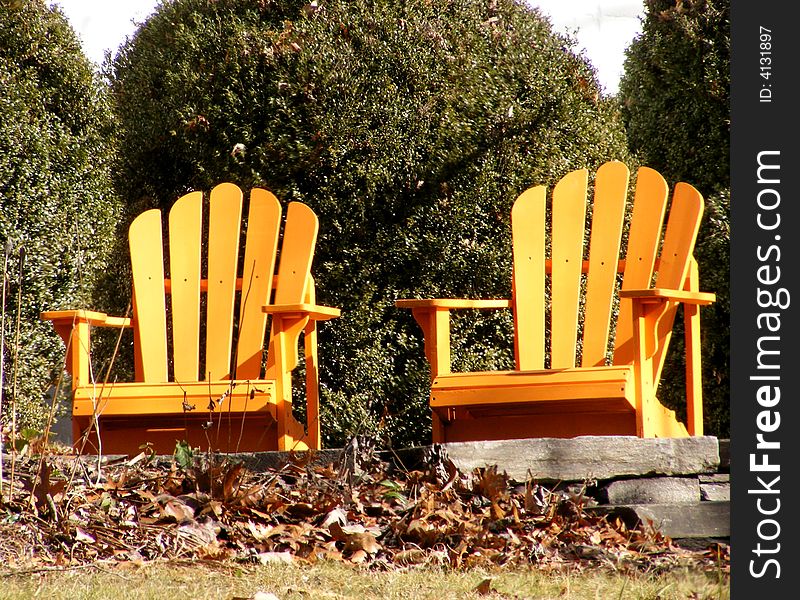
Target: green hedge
{"points": [[56, 200], [676, 104]]}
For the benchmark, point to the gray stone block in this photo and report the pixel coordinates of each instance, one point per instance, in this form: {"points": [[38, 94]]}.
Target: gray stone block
{"points": [[262, 461], [654, 490], [725, 455], [715, 488], [698, 520], [589, 457]]}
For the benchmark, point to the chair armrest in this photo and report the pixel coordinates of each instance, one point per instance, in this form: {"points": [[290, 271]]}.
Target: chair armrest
{"points": [[433, 316], [451, 303], [73, 327], [97, 319], [661, 294], [315, 312]]}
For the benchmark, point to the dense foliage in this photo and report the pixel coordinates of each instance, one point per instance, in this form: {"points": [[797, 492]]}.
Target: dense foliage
{"points": [[409, 127], [675, 95], [56, 206]]}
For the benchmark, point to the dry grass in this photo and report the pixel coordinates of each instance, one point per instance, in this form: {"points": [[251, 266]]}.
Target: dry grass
{"points": [[335, 580]]}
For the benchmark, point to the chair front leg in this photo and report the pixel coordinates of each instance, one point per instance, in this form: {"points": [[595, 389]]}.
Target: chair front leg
{"points": [[286, 331], [694, 385], [312, 386], [644, 314]]}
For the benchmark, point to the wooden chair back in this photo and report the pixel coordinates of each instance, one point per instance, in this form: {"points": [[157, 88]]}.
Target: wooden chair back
{"points": [[216, 282], [584, 272]]}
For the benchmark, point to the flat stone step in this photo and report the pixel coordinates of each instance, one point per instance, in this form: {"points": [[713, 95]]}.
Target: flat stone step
{"points": [[548, 460], [715, 487], [589, 457], [654, 490], [698, 520]]}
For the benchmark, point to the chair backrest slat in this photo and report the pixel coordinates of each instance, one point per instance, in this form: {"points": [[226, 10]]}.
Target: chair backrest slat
{"points": [[608, 215], [149, 306], [649, 207], [225, 219], [185, 243], [263, 226], [528, 234], [568, 229], [297, 251], [685, 214]]}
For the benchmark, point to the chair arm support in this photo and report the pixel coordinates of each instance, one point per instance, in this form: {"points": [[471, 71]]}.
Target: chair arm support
{"points": [[660, 294], [433, 316], [314, 312], [653, 311], [73, 327]]}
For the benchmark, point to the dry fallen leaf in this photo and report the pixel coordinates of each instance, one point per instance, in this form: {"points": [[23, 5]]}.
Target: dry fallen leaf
{"points": [[484, 588], [414, 556], [147, 510]]}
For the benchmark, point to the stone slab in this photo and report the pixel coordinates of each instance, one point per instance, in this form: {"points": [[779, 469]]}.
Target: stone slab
{"points": [[698, 520], [589, 457], [544, 459], [654, 490], [725, 455], [716, 487], [261, 461]]}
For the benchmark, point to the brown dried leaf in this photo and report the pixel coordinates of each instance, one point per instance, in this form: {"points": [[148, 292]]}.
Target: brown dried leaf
{"points": [[355, 540], [337, 515], [301, 510], [422, 533], [262, 533], [484, 588], [491, 484], [497, 512], [362, 541], [231, 481], [414, 556], [177, 510]]}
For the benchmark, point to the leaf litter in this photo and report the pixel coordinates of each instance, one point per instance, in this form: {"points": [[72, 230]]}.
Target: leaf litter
{"points": [[67, 512]]}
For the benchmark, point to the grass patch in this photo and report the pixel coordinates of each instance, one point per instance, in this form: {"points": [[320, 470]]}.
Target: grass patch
{"points": [[336, 580]]}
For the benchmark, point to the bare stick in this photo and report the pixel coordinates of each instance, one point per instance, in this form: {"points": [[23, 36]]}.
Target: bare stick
{"points": [[3, 360], [16, 367]]}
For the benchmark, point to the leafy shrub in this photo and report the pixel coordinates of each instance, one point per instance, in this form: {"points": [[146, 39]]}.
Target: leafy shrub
{"points": [[56, 202], [675, 97], [409, 127]]}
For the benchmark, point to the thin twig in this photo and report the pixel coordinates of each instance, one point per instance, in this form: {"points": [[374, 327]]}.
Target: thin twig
{"points": [[3, 358], [236, 363], [16, 367], [95, 412]]}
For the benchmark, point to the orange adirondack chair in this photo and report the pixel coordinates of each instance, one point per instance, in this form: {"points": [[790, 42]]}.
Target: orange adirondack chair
{"points": [[214, 394], [597, 379]]}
